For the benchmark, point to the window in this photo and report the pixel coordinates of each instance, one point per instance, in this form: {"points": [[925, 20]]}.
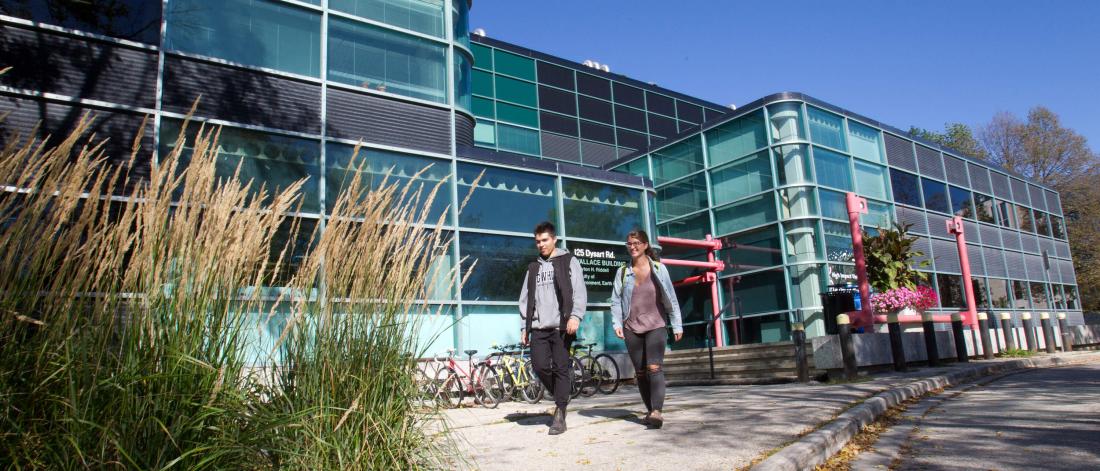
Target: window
{"points": [[792, 164], [786, 121], [485, 133], [252, 32], [695, 227], [395, 169], [935, 196], [1020, 291], [463, 90], [683, 197], [797, 201], [374, 58], [557, 100], [999, 294], [751, 250], [689, 112], [760, 292], [1039, 297], [1023, 217], [838, 241], [962, 203], [826, 128], [627, 95], [484, 108], [506, 200], [596, 110], [418, 15], [135, 20], [743, 177], [483, 56], [866, 142], [599, 211], [736, 138], [593, 86], [630, 118], [870, 180], [1042, 224], [951, 291], [656, 103], [1057, 226], [557, 123], [906, 187], [1071, 297], [677, 160], [985, 206], [1006, 214], [482, 83], [801, 238], [505, 62], [597, 132], [832, 169], [501, 265], [744, 214], [981, 300], [518, 139], [521, 115], [515, 91], [833, 205]]}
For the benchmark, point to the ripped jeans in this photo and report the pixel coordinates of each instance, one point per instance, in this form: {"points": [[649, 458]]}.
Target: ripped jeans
{"points": [[647, 353]]}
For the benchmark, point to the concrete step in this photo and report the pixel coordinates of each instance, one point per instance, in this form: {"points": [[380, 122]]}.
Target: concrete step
{"points": [[779, 376], [749, 355], [733, 349], [759, 365]]}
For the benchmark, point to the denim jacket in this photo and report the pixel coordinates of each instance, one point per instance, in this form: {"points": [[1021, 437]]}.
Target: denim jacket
{"points": [[624, 288]]}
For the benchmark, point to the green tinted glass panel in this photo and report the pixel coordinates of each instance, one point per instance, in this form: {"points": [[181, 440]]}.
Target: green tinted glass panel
{"points": [[252, 32], [498, 265], [878, 215], [638, 167], [752, 250], [375, 58], [506, 200], [483, 108], [865, 141], [482, 83], [797, 201], [838, 241], [792, 164], [517, 139], [599, 211], [395, 169], [833, 204], [485, 133], [786, 121], [511, 64], [870, 180], [745, 214], [682, 197], [826, 128], [746, 176], [463, 87], [695, 227], [678, 160], [517, 114], [483, 57], [832, 169], [515, 91], [761, 292], [736, 138], [423, 16], [801, 238]]}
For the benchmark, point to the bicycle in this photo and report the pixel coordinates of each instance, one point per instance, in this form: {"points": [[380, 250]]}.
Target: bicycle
{"points": [[518, 374], [425, 376], [482, 382], [591, 374]]}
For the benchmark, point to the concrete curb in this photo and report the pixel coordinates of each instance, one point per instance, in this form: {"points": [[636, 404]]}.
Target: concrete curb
{"points": [[815, 448]]}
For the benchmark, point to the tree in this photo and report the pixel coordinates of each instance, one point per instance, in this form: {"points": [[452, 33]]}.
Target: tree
{"points": [[956, 136]]}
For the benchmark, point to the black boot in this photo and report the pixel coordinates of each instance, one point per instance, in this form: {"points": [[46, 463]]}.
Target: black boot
{"points": [[557, 426]]}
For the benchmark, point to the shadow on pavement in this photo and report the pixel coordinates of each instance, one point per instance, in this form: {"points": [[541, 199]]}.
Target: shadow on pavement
{"points": [[526, 418], [624, 414]]}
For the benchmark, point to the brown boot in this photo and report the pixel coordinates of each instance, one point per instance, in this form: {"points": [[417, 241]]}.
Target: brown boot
{"points": [[655, 419], [557, 426]]}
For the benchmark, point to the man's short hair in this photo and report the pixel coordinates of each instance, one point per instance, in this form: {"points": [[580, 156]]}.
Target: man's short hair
{"points": [[546, 226]]}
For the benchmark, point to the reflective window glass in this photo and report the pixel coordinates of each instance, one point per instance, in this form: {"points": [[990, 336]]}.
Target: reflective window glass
{"points": [[683, 197], [1042, 224], [761, 292], [984, 205], [1006, 214], [374, 58], [744, 214], [792, 163], [951, 291], [695, 227], [518, 139], [463, 86], [678, 160], [1071, 297], [743, 177], [483, 56], [797, 202], [511, 64], [460, 20], [832, 169], [962, 203], [505, 200], [515, 91], [736, 138], [393, 168], [751, 250], [484, 108], [1023, 217], [981, 300], [1057, 301], [482, 83], [906, 188], [1039, 296], [826, 128], [786, 121], [600, 211], [999, 296], [1057, 227], [878, 215], [260, 33], [638, 167], [870, 180], [1021, 295], [865, 142], [423, 16], [838, 241], [269, 160], [806, 282], [499, 265], [833, 205], [485, 133], [935, 196], [600, 263], [135, 20], [517, 114], [801, 238]]}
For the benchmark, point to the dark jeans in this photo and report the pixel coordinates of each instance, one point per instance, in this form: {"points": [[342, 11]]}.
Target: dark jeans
{"points": [[647, 353], [550, 356]]}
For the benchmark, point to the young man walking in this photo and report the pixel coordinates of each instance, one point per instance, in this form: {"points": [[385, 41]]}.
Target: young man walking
{"points": [[552, 303]]}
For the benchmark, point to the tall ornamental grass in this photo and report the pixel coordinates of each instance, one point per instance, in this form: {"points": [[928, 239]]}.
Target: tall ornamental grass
{"points": [[127, 324]]}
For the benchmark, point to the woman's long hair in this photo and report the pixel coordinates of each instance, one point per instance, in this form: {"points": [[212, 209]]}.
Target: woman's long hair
{"points": [[643, 238]]}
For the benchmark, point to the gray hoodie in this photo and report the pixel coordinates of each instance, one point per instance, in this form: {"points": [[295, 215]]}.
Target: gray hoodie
{"points": [[546, 300]]}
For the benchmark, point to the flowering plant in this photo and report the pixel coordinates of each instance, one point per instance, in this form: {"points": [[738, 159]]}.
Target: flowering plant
{"points": [[920, 298]]}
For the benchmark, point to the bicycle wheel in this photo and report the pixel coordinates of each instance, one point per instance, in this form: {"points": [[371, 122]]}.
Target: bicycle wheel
{"points": [[450, 390], [608, 373], [589, 380], [426, 389], [508, 379], [531, 389], [487, 386], [578, 378]]}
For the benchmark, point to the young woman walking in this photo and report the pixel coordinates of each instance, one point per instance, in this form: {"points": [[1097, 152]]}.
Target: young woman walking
{"points": [[643, 296]]}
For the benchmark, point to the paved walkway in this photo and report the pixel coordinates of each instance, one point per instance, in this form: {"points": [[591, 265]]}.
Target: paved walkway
{"points": [[713, 427]]}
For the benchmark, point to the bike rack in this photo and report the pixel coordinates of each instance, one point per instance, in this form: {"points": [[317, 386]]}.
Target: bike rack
{"points": [[712, 266]]}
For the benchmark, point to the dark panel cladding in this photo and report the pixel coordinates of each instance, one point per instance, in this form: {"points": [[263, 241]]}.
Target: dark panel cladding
{"points": [[118, 128], [979, 178], [78, 67], [558, 123], [464, 130], [956, 170], [135, 20], [689, 112], [1037, 198], [555, 75], [899, 152], [1053, 204], [994, 262], [561, 147], [597, 154], [928, 160], [593, 86], [242, 96], [974, 253], [383, 121], [628, 95], [1000, 185], [709, 114], [658, 103], [556, 100], [1019, 192]]}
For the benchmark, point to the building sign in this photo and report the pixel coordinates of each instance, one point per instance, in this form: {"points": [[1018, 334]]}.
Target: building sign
{"points": [[600, 263]]}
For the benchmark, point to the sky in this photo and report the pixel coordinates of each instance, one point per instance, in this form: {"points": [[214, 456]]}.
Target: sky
{"points": [[904, 63]]}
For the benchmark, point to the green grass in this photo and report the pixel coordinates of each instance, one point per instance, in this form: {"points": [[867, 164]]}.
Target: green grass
{"points": [[1016, 353], [124, 322]]}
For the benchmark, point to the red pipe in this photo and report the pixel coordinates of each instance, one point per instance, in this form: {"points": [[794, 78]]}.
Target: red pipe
{"points": [[711, 243], [712, 277], [955, 226], [857, 206], [691, 280], [717, 265]]}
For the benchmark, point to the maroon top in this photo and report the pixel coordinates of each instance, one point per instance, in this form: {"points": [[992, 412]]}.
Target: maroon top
{"points": [[646, 310]]}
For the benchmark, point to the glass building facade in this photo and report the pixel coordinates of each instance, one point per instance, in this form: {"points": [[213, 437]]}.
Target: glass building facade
{"points": [[296, 84], [770, 182]]}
